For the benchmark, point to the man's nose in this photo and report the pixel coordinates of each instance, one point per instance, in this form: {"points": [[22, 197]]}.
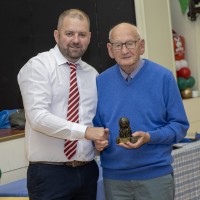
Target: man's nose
{"points": [[76, 38], [124, 48]]}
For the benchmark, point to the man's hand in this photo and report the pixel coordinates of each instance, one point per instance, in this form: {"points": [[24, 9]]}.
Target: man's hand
{"points": [[98, 133], [143, 139], [100, 145]]}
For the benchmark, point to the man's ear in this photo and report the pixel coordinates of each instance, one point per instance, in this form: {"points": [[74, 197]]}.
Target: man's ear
{"points": [[56, 35], [142, 46], [110, 50]]}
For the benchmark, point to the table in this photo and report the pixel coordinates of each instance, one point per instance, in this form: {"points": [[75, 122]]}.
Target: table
{"points": [[187, 171], [10, 134]]}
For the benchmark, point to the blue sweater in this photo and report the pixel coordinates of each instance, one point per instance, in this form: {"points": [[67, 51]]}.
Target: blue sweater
{"points": [[152, 103]]}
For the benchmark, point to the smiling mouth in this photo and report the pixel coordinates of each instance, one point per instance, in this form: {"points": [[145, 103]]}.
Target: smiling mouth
{"points": [[126, 57], [75, 47]]}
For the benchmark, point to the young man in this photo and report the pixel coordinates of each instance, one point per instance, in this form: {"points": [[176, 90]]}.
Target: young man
{"points": [[58, 132], [147, 94]]}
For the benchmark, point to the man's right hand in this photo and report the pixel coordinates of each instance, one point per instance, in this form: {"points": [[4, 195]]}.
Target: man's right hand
{"points": [[96, 133]]}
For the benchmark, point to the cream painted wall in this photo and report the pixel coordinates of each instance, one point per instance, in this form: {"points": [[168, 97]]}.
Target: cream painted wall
{"points": [[154, 21]]}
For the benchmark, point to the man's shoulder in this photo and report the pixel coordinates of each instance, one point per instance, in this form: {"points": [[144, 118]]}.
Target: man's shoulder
{"points": [[41, 61], [42, 57]]}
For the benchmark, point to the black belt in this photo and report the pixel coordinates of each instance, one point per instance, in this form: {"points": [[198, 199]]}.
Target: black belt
{"points": [[74, 163]]}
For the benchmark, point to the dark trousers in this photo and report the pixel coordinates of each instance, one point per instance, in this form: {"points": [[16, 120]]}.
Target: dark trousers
{"points": [[50, 182]]}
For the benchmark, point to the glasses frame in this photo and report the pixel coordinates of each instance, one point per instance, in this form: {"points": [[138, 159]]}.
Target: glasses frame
{"points": [[124, 43]]}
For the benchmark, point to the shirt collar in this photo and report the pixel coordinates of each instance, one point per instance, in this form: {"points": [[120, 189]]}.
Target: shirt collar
{"points": [[61, 60], [132, 75]]}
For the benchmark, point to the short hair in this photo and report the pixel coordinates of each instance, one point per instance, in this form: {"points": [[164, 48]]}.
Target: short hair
{"points": [[73, 13], [124, 23]]}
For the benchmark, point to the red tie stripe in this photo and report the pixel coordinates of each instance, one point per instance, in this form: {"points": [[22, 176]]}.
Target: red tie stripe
{"points": [[73, 110]]}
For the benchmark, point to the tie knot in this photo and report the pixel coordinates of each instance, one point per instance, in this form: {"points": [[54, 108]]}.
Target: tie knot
{"points": [[72, 66]]}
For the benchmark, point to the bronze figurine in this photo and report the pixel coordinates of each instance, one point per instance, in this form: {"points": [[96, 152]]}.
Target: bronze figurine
{"points": [[125, 132]]}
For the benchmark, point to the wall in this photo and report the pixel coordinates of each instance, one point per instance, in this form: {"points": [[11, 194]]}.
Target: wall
{"points": [[154, 21]]}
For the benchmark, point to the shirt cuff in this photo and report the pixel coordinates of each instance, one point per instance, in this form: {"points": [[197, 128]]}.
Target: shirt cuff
{"points": [[78, 131]]}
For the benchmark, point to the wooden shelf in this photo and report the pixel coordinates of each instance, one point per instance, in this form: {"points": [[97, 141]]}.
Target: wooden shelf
{"points": [[10, 134]]}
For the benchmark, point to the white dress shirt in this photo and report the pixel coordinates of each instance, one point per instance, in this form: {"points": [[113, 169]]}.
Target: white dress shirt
{"points": [[44, 83]]}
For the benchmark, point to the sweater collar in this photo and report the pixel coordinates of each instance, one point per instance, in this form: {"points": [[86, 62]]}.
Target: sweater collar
{"points": [[133, 74]]}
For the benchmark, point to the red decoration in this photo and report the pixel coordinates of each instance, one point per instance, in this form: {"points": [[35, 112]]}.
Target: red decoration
{"points": [[179, 46], [184, 79], [183, 72]]}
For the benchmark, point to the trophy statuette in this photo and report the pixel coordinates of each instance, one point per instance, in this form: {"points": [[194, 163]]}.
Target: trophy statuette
{"points": [[125, 133]]}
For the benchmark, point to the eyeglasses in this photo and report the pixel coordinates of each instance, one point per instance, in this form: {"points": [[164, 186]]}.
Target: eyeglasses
{"points": [[128, 44]]}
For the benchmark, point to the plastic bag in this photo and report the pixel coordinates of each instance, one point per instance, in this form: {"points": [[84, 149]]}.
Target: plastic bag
{"points": [[4, 118]]}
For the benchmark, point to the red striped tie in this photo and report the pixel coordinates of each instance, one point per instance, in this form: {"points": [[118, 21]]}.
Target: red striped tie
{"points": [[73, 110]]}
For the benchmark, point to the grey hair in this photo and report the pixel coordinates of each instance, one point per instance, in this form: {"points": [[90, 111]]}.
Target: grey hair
{"points": [[125, 23]]}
